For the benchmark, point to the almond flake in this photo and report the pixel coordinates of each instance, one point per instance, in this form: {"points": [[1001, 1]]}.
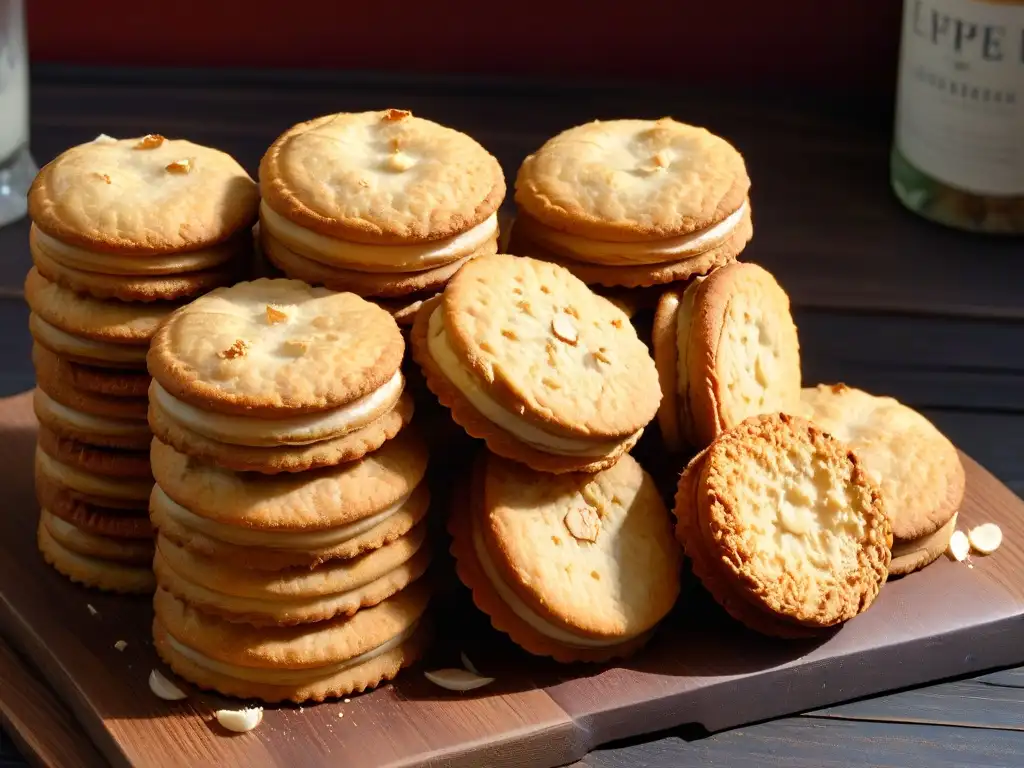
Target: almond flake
{"points": [[164, 688], [564, 329], [985, 538], [275, 316], [470, 667], [959, 546], [295, 347], [457, 679], [393, 115], [235, 350], [180, 166], [150, 141], [583, 523], [240, 720]]}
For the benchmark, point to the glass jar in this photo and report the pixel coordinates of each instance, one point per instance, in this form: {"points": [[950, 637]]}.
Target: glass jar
{"points": [[16, 166]]}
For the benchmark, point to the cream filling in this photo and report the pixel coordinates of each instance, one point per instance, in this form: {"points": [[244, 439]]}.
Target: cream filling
{"points": [[278, 676], [524, 612], [94, 485], [248, 537], [684, 319], [364, 257], [295, 430], [86, 422], [70, 537], [650, 252], [441, 351], [104, 351], [121, 264]]}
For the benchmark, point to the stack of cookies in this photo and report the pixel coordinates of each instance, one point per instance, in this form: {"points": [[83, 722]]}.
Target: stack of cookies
{"points": [[554, 380], [122, 233], [633, 203], [289, 499], [383, 204]]}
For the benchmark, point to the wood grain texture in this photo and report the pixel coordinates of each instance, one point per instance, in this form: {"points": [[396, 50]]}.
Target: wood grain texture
{"points": [[701, 668]]}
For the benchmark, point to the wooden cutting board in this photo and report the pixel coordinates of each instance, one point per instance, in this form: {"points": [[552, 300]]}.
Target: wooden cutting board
{"points": [[701, 668]]}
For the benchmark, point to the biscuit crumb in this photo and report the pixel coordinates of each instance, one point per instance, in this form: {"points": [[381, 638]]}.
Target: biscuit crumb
{"points": [[92, 611], [394, 115], [275, 316], [959, 546], [341, 715], [509, 334], [564, 329], [583, 523], [659, 160], [180, 166], [103, 176], [295, 347], [985, 538], [235, 350], [617, 323], [149, 141], [120, 645], [346, 700]]}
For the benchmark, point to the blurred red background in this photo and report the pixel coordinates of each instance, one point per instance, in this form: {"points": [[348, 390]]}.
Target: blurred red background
{"points": [[841, 43]]}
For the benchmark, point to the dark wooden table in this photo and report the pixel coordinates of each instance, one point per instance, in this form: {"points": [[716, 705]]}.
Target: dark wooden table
{"points": [[883, 301]]}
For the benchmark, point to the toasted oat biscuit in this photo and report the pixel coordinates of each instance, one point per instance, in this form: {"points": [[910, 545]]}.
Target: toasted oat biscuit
{"points": [[103, 431], [137, 288], [366, 284], [783, 526], [914, 554], [102, 490], [91, 518], [92, 379], [106, 575], [380, 177], [78, 349], [915, 465], [275, 552], [284, 458], [644, 276], [632, 180], [75, 257], [298, 663], [89, 458], [275, 347], [531, 357], [551, 559], [293, 596], [74, 539], [726, 349], [146, 195]]}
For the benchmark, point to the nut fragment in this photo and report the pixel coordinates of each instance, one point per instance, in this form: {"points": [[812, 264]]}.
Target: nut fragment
{"points": [[275, 316], [149, 141], [393, 115], [457, 679], [120, 645], [959, 546], [180, 166], [295, 347], [985, 538], [469, 665], [164, 688], [564, 328], [240, 720], [92, 610], [399, 162], [103, 176], [583, 523], [235, 350]]}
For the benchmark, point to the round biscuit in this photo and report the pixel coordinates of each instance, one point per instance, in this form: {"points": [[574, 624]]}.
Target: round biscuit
{"points": [[131, 196], [50, 380], [93, 572], [910, 556], [102, 521], [100, 490], [127, 434], [76, 349], [380, 177], [89, 458], [129, 551], [92, 379]]}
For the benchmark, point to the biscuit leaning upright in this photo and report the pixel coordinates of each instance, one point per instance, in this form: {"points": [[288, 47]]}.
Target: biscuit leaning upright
{"points": [[633, 202], [529, 359], [384, 204]]}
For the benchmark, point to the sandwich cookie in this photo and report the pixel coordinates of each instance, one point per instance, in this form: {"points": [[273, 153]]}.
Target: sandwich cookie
{"points": [[530, 360], [141, 219], [726, 349], [88, 458], [276, 376], [272, 522], [915, 465], [783, 527], [633, 202], [99, 572], [308, 662], [118, 491], [98, 520], [294, 595], [88, 428], [90, 379], [577, 567], [383, 204]]}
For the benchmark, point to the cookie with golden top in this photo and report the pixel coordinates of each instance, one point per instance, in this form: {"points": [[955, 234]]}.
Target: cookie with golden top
{"points": [[282, 376], [530, 360], [915, 465], [91, 379], [578, 567], [784, 527], [379, 203], [633, 202], [309, 662], [128, 572], [726, 349]]}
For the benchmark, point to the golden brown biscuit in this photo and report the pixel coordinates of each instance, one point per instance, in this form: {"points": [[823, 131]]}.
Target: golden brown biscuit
{"points": [[89, 458], [78, 349], [50, 380], [914, 554], [92, 379], [106, 575], [102, 431], [119, 550], [102, 521], [101, 490]]}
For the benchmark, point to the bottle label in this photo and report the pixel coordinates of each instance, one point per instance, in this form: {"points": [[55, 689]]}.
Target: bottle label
{"points": [[960, 103]]}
